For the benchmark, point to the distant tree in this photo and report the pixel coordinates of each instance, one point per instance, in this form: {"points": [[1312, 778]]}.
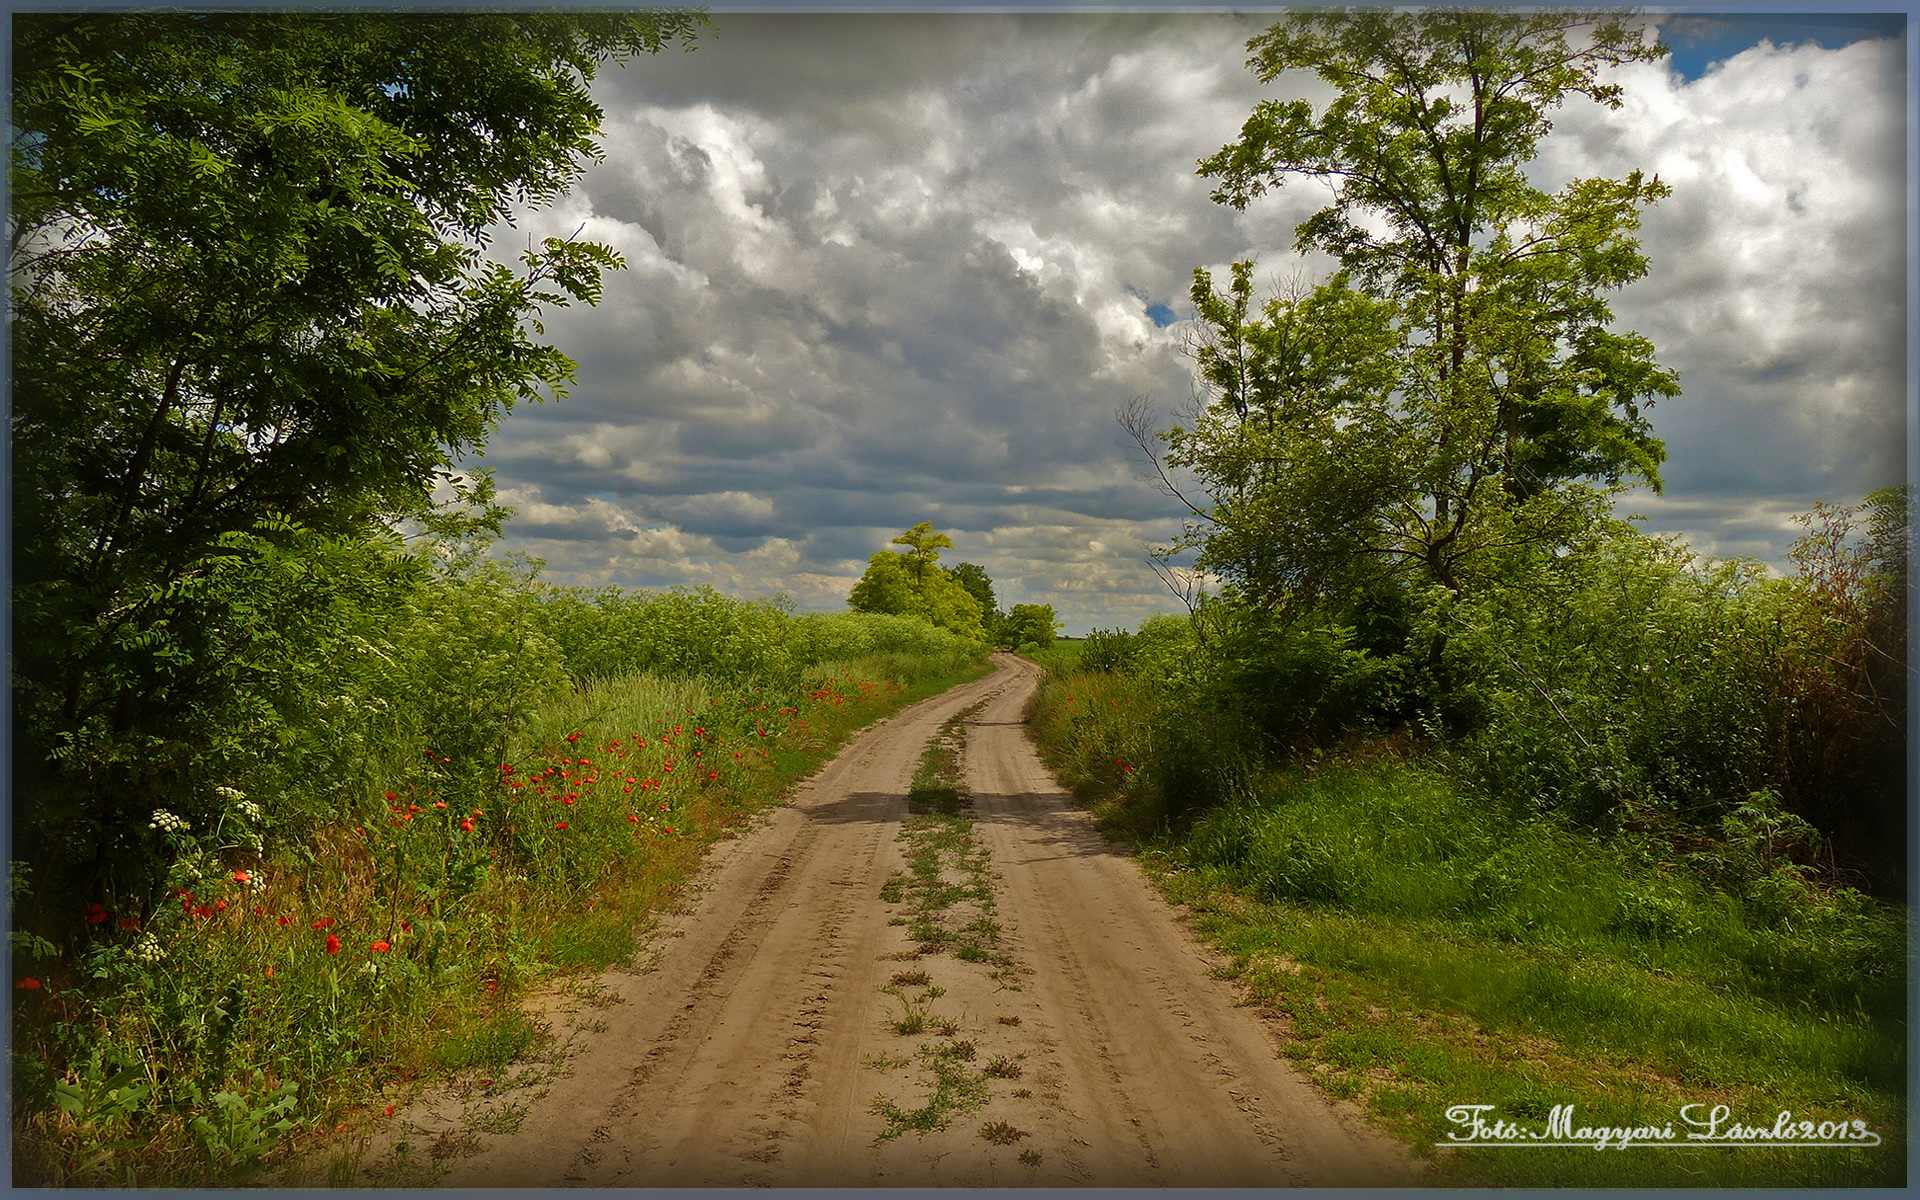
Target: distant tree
{"points": [[913, 584], [1030, 623], [974, 578], [951, 606], [923, 550], [886, 587]]}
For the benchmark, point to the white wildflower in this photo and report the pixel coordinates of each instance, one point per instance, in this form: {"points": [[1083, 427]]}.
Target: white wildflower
{"points": [[147, 949], [231, 795], [252, 812], [166, 822]]}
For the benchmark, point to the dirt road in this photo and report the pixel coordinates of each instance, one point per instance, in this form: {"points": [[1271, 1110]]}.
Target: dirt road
{"points": [[761, 1043]]}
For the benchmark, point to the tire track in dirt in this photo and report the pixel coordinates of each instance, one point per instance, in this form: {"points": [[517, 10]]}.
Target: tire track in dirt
{"points": [[751, 1048]]}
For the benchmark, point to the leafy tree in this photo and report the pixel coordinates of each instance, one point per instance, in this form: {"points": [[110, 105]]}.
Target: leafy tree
{"points": [[885, 588], [913, 584], [950, 606], [1033, 623], [923, 550], [978, 584], [1454, 392], [254, 319]]}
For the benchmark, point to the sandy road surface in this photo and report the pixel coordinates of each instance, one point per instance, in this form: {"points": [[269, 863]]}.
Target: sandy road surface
{"points": [[750, 1047]]}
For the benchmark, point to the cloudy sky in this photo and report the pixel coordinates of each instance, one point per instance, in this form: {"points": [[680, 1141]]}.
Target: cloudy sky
{"points": [[896, 268]]}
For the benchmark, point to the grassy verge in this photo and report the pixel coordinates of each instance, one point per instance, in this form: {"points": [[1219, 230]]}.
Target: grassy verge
{"points": [[1061, 657], [1428, 950], [283, 998]]}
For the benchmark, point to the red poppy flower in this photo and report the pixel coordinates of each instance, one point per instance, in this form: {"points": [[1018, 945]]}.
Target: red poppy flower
{"points": [[389, 795], [269, 972], [713, 775], [381, 947], [466, 826], [96, 914], [241, 877], [572, 738], [333, 944], [28, 984], [569, 798], [286, 920], [389, 1111], [323, 923], [439, 803], [632, 819], [129, 924], [559, 824], [406, 926]]}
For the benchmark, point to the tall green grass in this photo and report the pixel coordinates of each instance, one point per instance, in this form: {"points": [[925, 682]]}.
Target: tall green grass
{"points": [[489, 784], [1433, 946]]}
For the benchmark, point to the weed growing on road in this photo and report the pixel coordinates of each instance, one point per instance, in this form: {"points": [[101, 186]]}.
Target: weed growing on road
{"points": [[1002, 1134], [948, 884], [947, 891], [505, 1119], [912, 1021], [955, 1090]]}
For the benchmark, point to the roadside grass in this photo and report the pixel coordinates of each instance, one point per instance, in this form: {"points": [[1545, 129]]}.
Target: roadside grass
{"points": [[341, 971], [1426, 949], [1060, 658]]}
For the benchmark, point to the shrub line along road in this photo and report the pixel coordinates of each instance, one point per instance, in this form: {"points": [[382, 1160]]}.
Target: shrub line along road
{"points": [[750, 1045]]}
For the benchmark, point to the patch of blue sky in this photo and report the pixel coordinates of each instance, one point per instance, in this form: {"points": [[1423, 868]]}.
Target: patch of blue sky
{"points": [[1160, 312], [1699, 40]]}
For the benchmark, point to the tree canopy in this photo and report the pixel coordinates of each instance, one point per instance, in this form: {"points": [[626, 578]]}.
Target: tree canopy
{"points": [[1454, 392], [1030, 623], [913, 584], [254, 318]]}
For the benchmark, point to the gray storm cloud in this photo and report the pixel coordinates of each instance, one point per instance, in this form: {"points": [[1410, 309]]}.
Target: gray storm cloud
{"points": [[885, 269]]}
